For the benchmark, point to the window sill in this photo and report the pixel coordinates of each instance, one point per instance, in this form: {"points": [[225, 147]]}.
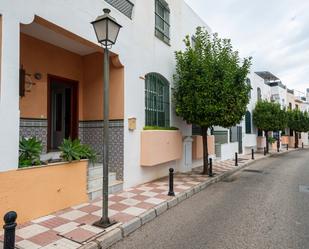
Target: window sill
{"points": [[167, 43]]}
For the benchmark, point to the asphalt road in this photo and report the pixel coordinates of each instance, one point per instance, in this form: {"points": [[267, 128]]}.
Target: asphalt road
{"points": [[260, 209]]}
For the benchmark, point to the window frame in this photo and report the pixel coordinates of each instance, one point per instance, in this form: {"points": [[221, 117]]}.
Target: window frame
{"points": [[157, 100], [248, 122], [159, 33], [259, 94]]}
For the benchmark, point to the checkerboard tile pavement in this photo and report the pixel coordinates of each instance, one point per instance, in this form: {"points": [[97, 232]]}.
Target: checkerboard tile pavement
{"points": [[72, 227]]}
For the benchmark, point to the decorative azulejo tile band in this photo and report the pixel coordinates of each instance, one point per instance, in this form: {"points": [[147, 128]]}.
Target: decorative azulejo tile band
{"points": [[34, 128], [91, 133]]}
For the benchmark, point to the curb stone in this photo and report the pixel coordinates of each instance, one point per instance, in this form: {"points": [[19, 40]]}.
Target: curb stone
{"points": [[131, 226], [181, 197], [161, 208], [113, 236], [90, 245], [189, 193], [197, 189], [110, 238], [171, 203], [148, 216]]}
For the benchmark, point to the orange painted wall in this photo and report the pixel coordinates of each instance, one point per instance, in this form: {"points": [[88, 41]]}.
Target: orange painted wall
{"points": [[261, 142], [285, 139], [292, 142], [158, 147], [93, 89], [42, 57], [39, 191], [197, 146]]}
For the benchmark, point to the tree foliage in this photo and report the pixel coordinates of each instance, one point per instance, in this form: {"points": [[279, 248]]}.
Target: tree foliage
{"points": [[298, 120], [210, 87], [268, 116]]}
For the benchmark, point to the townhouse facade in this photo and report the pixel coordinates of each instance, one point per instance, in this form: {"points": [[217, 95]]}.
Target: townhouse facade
{"points": [[51, 83]]}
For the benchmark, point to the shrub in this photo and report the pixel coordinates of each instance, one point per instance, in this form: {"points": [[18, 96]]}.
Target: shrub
{"points": [[271, 140], [74, 150], [30, 150], [147, 128]]}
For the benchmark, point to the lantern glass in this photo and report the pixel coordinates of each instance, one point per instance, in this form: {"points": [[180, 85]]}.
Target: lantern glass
{"points": [[100, 28], [113, 31], [106, 29]]}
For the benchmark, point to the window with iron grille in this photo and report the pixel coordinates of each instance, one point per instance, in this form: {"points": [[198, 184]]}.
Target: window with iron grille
{"points": [[162, 27], [248, 122], [124, 6], [259, 94], [157, 100]]}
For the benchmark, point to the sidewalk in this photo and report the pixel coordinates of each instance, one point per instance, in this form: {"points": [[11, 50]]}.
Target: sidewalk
{"points": [[72, 228]]}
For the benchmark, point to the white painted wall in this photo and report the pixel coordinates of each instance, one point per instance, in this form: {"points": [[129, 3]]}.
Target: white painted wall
{"points": [[140, 52], [249, 140], [228, 150]]}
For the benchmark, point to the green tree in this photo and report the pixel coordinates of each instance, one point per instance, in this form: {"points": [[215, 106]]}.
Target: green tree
{"points": [[268, 116], [210, 88], [299, 122]]}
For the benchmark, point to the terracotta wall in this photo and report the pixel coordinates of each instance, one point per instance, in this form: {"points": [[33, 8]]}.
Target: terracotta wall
{"points": [[158, 147], [197, 146], [93, 89], [285, 139], [42, 57], [35, 192], [261, 142]]}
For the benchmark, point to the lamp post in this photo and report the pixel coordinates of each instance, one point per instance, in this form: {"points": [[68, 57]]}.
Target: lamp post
{"points": [[107, 30]]}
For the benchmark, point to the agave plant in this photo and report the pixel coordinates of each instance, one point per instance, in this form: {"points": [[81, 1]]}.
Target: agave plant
{"points": [[74, 150], [30, 150]]}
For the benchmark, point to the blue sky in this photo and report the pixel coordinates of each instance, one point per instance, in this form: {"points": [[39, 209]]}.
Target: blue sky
{"points": [[274, 32]]}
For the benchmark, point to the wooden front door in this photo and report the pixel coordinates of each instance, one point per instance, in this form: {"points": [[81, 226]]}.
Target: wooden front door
{"points": [[62, 114]]}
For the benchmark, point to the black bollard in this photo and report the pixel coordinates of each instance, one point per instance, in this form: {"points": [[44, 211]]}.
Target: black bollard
{"points": [[264, 151], [302, 145], [287, 147], [9, 230], [278, 146], [236, 159], [210, 174], [252, 154], [171, 183]]}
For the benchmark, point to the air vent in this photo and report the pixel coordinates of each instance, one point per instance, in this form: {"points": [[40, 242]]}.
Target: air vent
{"points": [[124, 6]]}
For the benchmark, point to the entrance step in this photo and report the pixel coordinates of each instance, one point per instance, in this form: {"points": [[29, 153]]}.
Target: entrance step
{"points": [[95, 181], [115, 187]]}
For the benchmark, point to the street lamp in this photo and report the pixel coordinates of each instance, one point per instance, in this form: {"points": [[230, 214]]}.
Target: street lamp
{"points": [[107, 30]]}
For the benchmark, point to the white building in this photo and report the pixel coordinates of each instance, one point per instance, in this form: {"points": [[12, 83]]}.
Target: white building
{"points": [[54, 44]]}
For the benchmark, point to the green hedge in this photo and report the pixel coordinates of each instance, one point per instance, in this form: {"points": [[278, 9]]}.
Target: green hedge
{"points": [[149, 128]]}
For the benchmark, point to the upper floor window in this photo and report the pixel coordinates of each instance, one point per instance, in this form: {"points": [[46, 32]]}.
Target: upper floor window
{"points": [[124, 6], [259, 94], [248, 122], [248, 81], [157, 100], [162, 13], [290, 106]]}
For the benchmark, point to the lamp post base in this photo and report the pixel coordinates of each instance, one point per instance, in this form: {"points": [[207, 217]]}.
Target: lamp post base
{"points": [[104, 223]]}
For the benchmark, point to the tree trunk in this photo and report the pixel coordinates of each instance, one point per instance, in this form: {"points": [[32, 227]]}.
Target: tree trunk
{"points": [[296, 139], [267, 143], [205, 150], [278, 141]]}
